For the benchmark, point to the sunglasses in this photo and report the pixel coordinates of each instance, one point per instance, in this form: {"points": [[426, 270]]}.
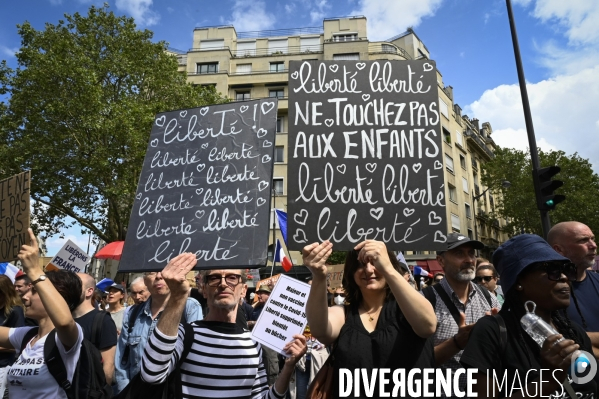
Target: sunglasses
{"points": [[486, 279], [555, 270]]}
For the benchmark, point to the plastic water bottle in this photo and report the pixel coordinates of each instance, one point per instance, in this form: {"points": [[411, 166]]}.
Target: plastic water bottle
{"points": [[536, 327]]}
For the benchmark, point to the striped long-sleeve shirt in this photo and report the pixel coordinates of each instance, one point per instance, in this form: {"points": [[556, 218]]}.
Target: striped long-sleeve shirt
{"points": [[224, 362]]}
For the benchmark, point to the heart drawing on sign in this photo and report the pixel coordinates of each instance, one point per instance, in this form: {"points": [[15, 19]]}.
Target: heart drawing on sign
{"points": [[183, 114], [266, 158], [438, 165], [138, 196], [333, 67], [301, 217], [416, 167], [329, 122], [439, 237], [376, 212], [261, 133], [267, 106], [408, 212], [341, 169], [360, 65], [365, 97], [433, 219], [300, 236], [427, 67], [200, 214], [160, 121], [243, 108], [266, 143], [262, 185], [294, 75], [371, 167], [260, 201], [203, 111], [205, 145], [200, 167], [154, 143]]}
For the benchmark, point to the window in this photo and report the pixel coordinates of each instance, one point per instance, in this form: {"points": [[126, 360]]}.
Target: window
{"points": [[463, 162], [246, 49], [277, 184], [468, 211], [244, 68], [465, 184], [388, 48], [279, 124], [277, 67], [470, 235], [459, 139], [345, 37], [277, 46], [453, 195], [443, 108], [279, 153], [449, 163], [310, 44], [212, 44], [276, 93], [211, 67], [455, 223], [242, 95], [346, 57], [446, 136]]}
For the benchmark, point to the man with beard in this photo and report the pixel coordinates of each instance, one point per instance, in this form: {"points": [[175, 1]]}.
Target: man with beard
{"points": [[458, 302], [576, 242]]}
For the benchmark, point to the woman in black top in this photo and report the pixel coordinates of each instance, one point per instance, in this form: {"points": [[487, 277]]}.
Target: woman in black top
{"points": [[11, 315], [530, 271], [385, 323]]}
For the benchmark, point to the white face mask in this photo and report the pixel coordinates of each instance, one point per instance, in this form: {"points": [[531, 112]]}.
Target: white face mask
{"points": [[339, 300]]}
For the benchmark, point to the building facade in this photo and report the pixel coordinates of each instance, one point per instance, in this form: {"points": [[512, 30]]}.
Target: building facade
{"points": [[251, 65]]}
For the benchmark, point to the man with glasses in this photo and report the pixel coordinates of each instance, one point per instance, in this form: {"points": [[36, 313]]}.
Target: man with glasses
{"points": [[140, 322], [576, 242], [458, 302], [486, 276], [223, 360]]}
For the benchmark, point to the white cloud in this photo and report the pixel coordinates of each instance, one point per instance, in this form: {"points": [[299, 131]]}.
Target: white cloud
{"points": [[54, 243], [8, 52], [564, 112], [56, 2], [318, 12], [140, 10], [289, 8], [249, 15], [388, 18]]}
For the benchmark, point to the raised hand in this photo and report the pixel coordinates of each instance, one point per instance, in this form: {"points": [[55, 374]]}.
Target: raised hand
{"points": [[29, 257], [463, 333], [315, 257], [296, 348], [175, 273], [375, 253]]}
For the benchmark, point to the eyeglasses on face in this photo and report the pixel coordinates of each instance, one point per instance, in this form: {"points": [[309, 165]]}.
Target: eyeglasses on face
{"points": [[555, 270], [480, 279], [214, 280]]}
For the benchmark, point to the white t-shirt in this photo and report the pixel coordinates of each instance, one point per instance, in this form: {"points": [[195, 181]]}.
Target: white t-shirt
{"points": [[29, 377]]}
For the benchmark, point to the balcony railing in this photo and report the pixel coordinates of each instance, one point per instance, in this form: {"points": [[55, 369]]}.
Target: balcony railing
{"points": [[474, 137], [387, 48], [261, 52]]}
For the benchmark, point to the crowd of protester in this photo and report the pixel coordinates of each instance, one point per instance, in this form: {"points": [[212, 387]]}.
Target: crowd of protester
{"points": [[379, 318]]}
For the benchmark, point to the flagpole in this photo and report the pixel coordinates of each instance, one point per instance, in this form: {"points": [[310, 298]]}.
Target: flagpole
{"points": [[274, 226]]}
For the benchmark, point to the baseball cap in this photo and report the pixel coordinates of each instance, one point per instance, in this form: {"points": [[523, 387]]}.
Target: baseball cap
{"points": [[514, 255], [264, 288], [116, 286], [454, 240]]}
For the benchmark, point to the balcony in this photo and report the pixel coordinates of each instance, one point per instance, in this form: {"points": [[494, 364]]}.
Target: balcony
{"points": [[470, 134], [266, 52], [474, 164], [387, 48]]}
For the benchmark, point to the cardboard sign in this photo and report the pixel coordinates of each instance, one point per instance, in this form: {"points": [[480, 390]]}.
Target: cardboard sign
{"points": [[335, 276], [365, 154], [270, 281], [205, 188], [284, 314], [71, 258], [14, 215]]}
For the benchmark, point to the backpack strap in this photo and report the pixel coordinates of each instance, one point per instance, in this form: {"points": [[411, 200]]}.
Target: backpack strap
{"points": [[485, 292], [502, 332], [28, 337], [133, 315], [96, 335], [448, 302], [430, 295], [54, 362]]}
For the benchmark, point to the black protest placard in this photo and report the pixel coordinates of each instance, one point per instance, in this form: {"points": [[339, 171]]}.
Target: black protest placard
{"points": [[205, 188], [365, 154], [14, 215]]}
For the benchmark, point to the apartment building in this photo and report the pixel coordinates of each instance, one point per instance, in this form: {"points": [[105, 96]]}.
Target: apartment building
{"points": [[251, 65]]}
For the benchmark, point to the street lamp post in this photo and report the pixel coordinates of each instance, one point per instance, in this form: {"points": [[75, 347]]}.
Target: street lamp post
{"points": [[504, 184]]}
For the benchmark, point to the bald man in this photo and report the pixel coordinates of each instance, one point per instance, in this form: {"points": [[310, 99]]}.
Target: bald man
{"points": [[576, 241], [85, 315]]}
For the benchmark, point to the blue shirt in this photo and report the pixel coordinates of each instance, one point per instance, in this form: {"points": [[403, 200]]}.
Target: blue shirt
{"points": [[138, 339]]}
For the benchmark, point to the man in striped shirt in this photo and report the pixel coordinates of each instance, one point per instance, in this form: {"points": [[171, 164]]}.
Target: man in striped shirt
{"points": [[223, 361]]}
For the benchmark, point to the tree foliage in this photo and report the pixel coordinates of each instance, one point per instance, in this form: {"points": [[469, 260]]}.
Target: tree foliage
{"points": [[518, 202], [79, 113]]}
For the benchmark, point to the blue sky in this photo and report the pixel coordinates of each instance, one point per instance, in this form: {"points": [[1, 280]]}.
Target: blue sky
{"points": [[469, 40]]}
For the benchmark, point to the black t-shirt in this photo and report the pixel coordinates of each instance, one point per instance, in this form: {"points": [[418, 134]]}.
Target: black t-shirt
{"points": [[15, 319], [195, 294], [484, 353], [108, 337]]}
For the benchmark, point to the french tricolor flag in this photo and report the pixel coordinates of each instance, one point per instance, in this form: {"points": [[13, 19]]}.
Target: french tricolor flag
{"points": [[10, 270], [418, 271], [282, 258]]}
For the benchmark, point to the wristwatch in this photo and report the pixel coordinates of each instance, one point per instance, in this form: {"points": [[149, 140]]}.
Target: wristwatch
{"points": [[43, 277]]}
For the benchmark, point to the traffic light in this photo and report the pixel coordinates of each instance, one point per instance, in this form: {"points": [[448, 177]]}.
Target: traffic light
{"points": [[544, 187]]}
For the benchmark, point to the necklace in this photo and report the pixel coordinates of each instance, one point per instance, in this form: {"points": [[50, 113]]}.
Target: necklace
{"points": [[370, 318]]}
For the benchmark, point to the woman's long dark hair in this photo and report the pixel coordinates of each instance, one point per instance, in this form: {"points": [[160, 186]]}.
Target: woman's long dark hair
{"points": [[10, 297]]}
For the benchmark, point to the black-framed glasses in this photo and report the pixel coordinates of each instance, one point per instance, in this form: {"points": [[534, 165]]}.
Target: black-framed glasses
{"points": [[555, 270], [214, 280], [480, 279]]}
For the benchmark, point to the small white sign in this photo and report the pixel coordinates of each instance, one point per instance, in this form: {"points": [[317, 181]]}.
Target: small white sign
{"points": [[284, 314], [70, 257]]}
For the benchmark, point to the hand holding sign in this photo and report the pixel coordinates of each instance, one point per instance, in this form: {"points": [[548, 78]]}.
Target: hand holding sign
{"points": [[295, 349], [175, 273], [375, 253], [29, 257], [315, 257]]}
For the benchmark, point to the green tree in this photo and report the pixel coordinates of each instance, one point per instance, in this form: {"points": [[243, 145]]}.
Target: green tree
{"points": [[518, 202], [80, 108]]}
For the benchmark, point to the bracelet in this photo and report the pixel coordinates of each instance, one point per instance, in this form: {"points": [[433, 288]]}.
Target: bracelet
{"points": [[455, 342]]}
